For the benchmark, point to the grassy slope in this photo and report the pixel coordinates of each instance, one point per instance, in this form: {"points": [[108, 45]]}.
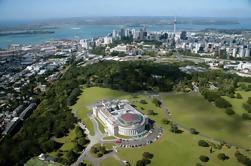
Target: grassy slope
{"points": [[36, 162], [110, 162], [193, 111], [171, 149], [90, 96], [237, 103], [181, 149]]}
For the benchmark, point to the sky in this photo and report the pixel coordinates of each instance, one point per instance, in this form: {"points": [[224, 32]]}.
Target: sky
{"points": [[43, 9]]}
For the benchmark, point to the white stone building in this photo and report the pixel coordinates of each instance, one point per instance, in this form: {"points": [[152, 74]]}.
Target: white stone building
{"points": [[120, 118]]}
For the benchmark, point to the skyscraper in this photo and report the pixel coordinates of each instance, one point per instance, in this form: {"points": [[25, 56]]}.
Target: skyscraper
{"points": [[183, 35], [122, 32]]}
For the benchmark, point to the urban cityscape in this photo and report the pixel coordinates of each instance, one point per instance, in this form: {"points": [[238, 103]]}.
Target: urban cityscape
{"points": [[126, 90]]}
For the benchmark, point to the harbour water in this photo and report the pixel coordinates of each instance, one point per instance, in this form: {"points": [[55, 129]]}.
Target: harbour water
{"points": [[89, 31]]}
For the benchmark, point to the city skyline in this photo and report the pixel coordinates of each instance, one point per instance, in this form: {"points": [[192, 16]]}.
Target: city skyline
{"points": [[28, 9]]}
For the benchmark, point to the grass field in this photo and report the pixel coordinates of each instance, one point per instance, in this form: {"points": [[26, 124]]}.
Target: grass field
{"points": [[237, 103], [190, 110], [109, 162], [36, 162], [193, 111], [90, 96]]}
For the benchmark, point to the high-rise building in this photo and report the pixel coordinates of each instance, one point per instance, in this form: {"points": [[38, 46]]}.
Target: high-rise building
{"points": [[183, 35], [247, 52], [141, 34], [114, 34], [122, 32], [84, 43], [242, 52], [234, 52]]}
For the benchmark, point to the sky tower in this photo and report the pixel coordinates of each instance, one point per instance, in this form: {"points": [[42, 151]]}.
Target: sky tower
{"points": [[174, 25]]}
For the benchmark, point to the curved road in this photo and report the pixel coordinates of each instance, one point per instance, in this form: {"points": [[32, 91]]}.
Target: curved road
{"points": [[97, 138]]}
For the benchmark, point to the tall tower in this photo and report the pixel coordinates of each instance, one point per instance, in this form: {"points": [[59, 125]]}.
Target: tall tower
{"points": [[174, 25]]}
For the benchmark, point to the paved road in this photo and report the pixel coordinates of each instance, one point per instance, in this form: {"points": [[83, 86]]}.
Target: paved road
{"points": [[95, 139]]}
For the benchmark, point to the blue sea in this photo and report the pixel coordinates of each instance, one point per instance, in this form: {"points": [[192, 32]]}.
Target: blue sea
{"points": [[89, 31]]}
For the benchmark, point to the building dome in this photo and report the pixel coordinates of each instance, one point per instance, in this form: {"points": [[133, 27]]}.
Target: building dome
{"points": [[130, 119]]}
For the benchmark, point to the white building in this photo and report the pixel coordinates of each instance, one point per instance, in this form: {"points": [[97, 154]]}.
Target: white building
{"points": [[107, 40], [120, 118], [119, 48], [84, 43]]}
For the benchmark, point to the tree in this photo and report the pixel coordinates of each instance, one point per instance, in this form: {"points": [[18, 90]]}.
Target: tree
{"points": [[94, 149], [246, 116], [81, 141], [238, 96], [146, 161], [140, 163], [150, 112], [229, 111], [71, 155], [242, 158], [222, 156], [247, 107], [249, 100], [143, 102], [222, 103], [204, 158], [174, 128], [165, 121], [147, 155], [203, 143], [157, 102], [194, 131]]}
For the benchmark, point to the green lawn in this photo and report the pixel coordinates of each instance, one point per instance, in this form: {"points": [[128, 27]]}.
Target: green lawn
{"points": [[109, 162], [109, 138], [88, 97], [36, 162], [178, 149], [193, 111], [101, 126], [237, 103]]}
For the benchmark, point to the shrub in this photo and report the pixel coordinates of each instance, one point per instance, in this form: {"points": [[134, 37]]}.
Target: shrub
{"points": [[140, 163], [204, 158], [249, 100], [157, 102], [247, 107], [242, 159], [222, 103], [99, 154], [203, 143], [147, 155], [194, 131], [222, 156], [238, 96], [143, 102], [165, 121], [150, 112], [146, 161], [229, 111], [199, 164], [174, 128], [246, 116]]}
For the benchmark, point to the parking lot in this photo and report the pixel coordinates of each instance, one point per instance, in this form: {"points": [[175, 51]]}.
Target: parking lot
{"points": [[153, 135]]}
